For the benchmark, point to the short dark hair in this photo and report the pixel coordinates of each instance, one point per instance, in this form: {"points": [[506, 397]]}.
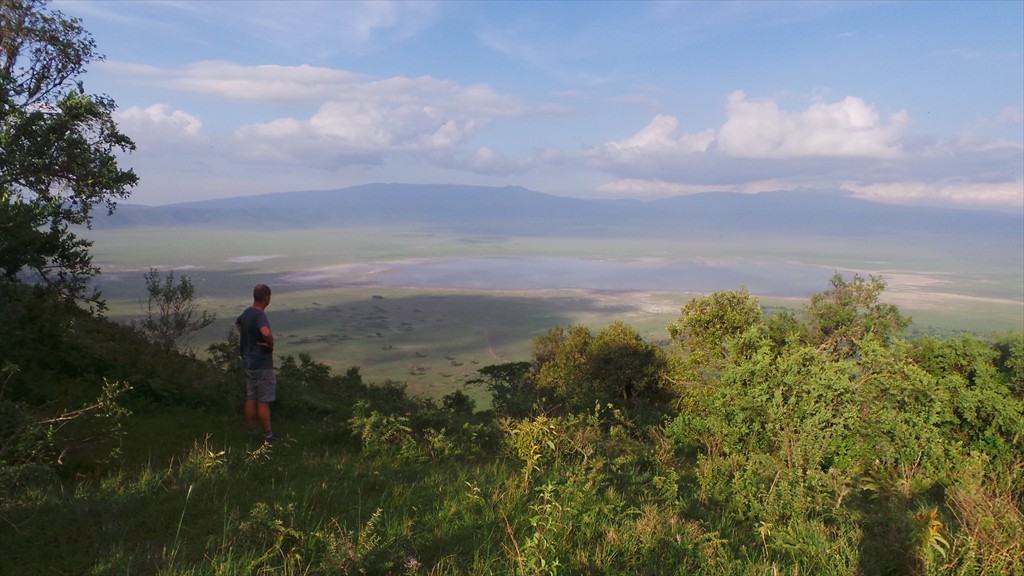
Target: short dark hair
{"points": [[260, 293]]}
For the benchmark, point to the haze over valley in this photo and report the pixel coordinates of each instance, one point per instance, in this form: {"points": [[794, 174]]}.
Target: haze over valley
{"points": [[337, 258]]}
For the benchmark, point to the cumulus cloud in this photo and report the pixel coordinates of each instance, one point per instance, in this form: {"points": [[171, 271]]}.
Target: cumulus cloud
{"points": [[849, 128], [359, 118], [760, 129], [355, 130], [844, 144], [158, 122], [657, 139]]}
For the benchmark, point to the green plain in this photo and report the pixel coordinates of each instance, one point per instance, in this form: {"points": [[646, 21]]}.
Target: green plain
{"points": [[433, 339]]}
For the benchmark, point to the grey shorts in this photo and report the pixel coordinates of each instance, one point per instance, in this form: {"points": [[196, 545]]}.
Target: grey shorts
{"points": [[261, 385]]}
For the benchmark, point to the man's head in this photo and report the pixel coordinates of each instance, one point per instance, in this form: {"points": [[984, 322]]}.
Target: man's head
{"points": [[261, 293]]}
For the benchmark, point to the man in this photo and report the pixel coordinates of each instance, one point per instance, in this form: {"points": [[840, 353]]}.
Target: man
{"points": [[256, 345]]}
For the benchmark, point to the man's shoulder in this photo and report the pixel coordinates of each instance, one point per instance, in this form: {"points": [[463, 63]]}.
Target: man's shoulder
{"points": [[255, 314], [250, 312]]}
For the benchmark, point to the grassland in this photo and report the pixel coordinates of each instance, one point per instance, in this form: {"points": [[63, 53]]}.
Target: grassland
{"points": [[434, 338]]}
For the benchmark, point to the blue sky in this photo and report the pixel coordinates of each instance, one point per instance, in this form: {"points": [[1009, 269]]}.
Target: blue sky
{"points": [[904, 102]]}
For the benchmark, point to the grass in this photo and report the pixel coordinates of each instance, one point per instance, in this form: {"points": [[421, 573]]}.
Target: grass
{"points": [[194, 496], [309, 505], [226, 505]]}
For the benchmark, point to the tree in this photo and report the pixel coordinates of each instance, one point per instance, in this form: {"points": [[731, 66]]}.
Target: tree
{"points": [[511, 386], [58, 149], [842, 316], [1011, 359], [171, 311], [708, 328], [578, 368]]}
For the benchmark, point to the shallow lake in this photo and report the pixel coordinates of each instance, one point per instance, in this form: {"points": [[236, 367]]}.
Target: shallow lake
{"points": [[772, 279]]}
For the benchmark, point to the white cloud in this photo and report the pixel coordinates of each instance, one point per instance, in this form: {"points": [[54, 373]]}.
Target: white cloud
{"points": [[158, 123], [429, 123], [850, 128], [267, 83], [659, 138], [273, 84], [998, 195], [827, 145], [651, 189], [359, 119], [371, 127], [992, 195], [361, 131], [759, 129]]}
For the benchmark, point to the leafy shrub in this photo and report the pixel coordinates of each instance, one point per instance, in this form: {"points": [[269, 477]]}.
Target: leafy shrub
{"points": [[577, 368], [385, 436]]}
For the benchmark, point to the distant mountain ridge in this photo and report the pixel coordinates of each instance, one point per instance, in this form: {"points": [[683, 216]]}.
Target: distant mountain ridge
{"points": [[515, 210]]}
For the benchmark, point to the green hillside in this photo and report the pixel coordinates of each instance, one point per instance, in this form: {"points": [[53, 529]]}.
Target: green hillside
{"points": [[821, 442]]}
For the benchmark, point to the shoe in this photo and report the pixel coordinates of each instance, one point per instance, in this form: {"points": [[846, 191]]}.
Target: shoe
{"points": [[270, 440]]}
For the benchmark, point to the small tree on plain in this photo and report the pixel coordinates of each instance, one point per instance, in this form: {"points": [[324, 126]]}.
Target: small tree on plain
{"points": [[171, 311]]}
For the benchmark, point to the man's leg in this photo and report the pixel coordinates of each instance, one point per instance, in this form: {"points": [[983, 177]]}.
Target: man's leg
{"points": [[263, 413], [266, 393], [250, 401], [251, 413], [251, 416]]}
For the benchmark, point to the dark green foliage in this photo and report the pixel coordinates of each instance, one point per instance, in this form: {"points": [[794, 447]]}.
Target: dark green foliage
{"points": [[577, 369], [224, 356], [984, 412], [512, 388], [307, 387], [70, 378], [59, 149], [1011, 360], [841, 428], [459, 402], [27, 450]]}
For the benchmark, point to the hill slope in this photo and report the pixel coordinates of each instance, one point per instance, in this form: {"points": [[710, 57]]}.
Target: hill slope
{"points": [[519, 211]]}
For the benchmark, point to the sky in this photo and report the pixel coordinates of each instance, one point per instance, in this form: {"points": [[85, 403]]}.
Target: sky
{"points": [[901, 102]]}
